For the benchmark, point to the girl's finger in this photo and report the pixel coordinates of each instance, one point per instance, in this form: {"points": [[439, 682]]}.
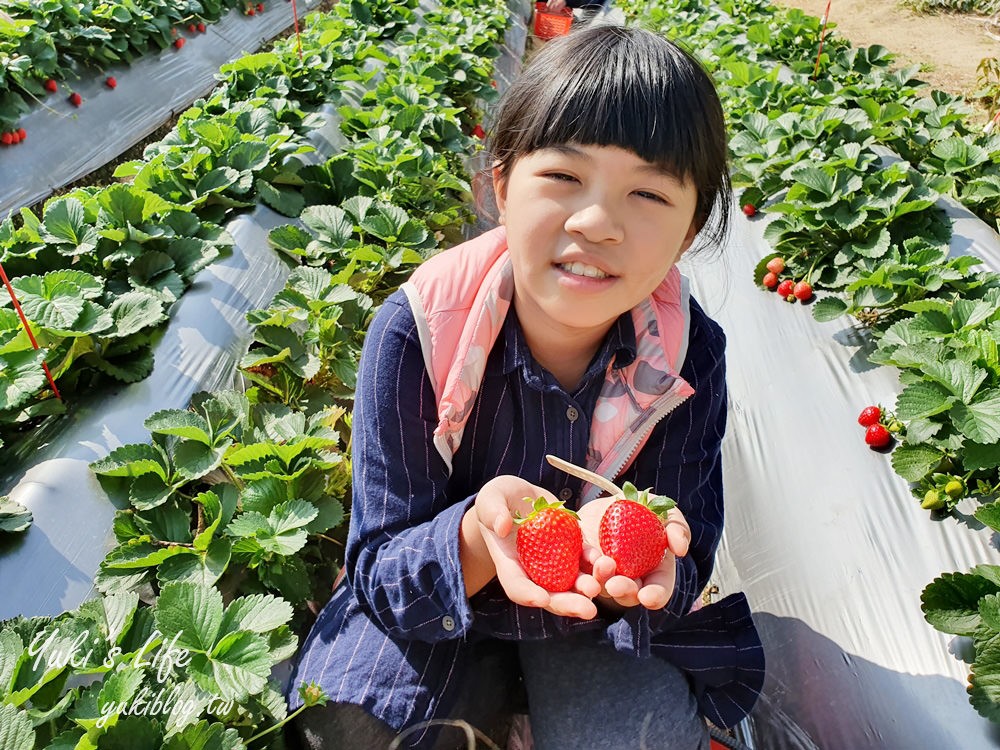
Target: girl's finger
{"points": [[653, 596], [587, 586], [624, 590], [678, 532], [568, 604]]}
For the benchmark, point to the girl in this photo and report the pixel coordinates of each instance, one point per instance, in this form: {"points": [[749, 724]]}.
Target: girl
{"points": [[565, 330]]}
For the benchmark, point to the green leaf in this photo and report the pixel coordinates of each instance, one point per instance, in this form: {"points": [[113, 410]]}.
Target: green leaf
{"points": [[978, 456], [989, 514], [16, 732], [21, 377], [65, 223], [984, 684], [286, 201], [961, 378], [922, 399], [191, 612], [951, 602], [331, 224], [132, 461], [136, 310], [979, 421], [257, 613], [194, 459], [913, 462], [137, 553], [183, 423], [204, 568], [829, 308], [240, 665], [119, 609], [14, 517], [205, 736]]}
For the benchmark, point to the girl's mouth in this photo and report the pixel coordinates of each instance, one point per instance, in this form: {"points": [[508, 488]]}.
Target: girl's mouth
{"points": [[582, 269]]}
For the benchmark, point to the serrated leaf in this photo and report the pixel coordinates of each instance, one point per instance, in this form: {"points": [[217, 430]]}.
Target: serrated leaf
{"points": [[141, 554], [14, 518], [239, 665], [136, 310], [21, 377], [984, 684], [180, 422], [205, 736], [119, 609], [204, 568], [922, 399], [989, 514], [979, 421], [132, 461], [913, 462], [286, 201], [829, 308], [258, 613], [16, 732], [951, 602], [978, 456], [192, 613], [961, 378], [194, 460]]}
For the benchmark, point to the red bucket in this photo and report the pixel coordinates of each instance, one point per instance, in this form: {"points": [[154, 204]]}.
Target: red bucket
{"points": [[548, 24]]}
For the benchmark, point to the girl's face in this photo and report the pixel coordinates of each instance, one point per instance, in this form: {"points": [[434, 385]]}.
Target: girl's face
{"points": [[591, 230]]}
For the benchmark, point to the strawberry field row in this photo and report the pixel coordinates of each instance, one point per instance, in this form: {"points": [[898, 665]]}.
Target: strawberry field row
{"points": [[852, 165], [48, 44], [226, 508]]}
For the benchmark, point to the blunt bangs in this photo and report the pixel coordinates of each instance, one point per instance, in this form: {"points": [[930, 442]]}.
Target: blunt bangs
{"points": [[610, 85]]}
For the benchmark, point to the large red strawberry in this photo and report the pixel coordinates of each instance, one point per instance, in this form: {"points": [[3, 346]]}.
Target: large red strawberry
{"points": [[632, 531], [549, 545], [870, 415]]}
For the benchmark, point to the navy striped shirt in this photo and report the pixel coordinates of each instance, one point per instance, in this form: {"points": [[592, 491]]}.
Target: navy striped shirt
{"points": [[396, 640]]}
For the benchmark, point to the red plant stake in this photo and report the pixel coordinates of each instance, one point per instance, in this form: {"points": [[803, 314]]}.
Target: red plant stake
{"points": [[822, 36], [295, 20], [27, 328]]}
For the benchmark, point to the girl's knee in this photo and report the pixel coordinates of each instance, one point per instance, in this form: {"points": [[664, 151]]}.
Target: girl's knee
{"points": [[341, 726]]}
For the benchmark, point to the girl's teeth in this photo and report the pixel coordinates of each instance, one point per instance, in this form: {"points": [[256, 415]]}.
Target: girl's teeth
{"points": [[579, 269]]}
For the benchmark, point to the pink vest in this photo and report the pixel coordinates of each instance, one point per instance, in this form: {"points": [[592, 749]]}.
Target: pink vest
{"points": [[460, 298]]}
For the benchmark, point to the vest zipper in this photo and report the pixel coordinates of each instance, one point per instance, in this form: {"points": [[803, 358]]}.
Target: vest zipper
{"points": [[646, 422]]}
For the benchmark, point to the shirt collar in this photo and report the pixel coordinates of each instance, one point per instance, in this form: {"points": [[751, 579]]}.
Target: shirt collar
{"points": [[619, 345]]}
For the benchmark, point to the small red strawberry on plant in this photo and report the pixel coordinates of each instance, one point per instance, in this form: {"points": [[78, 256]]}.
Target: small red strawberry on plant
{"points": [[180, 42], [877, 436], [803, 291], [776, 265], [6, 139], [260, 7], [770, 280], [22, 134], [51, 86], [633, 532], [192, 28], [15, 138], [785, 289], [550, 544], [250, 11], [749, 210], [75, 99], [478, 131], [111, 82], [870, 415], [201, 27]]}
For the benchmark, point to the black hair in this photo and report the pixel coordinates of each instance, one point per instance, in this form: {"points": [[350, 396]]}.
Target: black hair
{"points": [[612, 85]]}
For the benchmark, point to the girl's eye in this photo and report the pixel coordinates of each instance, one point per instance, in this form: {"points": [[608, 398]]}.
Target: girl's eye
{"points": [[650, 196], [561, 177]]}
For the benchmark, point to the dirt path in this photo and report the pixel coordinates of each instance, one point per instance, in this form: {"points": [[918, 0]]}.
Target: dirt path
{"points": [[949, 46]]}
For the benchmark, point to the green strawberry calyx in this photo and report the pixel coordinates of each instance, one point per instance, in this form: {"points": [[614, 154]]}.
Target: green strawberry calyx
{"points": [[539, 504], [659, 504]]}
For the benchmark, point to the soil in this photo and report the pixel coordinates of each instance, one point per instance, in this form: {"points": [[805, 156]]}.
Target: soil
{"points": [[947, 46]]}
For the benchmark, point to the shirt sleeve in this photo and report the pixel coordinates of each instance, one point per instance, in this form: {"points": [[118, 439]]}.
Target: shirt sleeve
{"points": [[682, 460], [402, 545]]}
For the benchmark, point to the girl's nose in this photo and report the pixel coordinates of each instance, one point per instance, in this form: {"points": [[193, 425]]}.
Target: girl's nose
{"points": [[596, 221]]}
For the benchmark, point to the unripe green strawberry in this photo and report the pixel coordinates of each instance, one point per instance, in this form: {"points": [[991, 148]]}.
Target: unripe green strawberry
{"points": [[632, 531], [549, 545], [954, 489], [932, 500]]}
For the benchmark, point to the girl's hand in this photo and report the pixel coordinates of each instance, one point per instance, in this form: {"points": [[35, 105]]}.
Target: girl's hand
{"points": [[554, 6], [653, 590], [495, 506]]}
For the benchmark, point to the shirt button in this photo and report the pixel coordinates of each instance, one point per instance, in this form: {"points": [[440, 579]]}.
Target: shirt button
{"points": [[448, 623], [565, 494], [572, 414]]}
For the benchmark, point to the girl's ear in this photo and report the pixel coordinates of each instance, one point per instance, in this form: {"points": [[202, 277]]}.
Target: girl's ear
{"points": [[500, 191]]}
